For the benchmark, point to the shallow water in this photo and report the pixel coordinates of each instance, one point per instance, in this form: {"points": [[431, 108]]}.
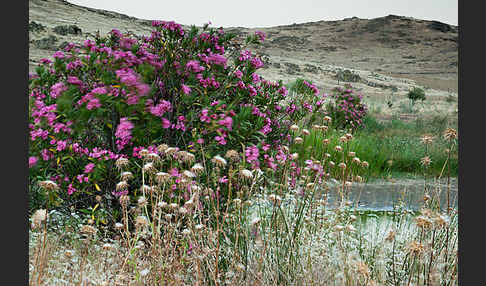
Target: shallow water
{"points": [[385, 195]]}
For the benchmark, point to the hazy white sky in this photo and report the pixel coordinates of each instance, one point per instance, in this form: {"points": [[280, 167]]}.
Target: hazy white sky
{"points": [[266, 13]]}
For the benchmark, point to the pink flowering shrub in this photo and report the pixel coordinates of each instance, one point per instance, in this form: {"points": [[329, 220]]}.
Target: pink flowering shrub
{"points": [[347, 110], [114, 96]]}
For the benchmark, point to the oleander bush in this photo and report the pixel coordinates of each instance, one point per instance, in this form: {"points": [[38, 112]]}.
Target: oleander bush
{"points": [[113, 96]]}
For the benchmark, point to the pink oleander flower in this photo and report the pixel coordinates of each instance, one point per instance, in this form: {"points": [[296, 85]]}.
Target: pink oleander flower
{"points": [[226, 122], [89, 168], [57, 89], [33, 161], [123, 132], [165, 123], [186, 89]]}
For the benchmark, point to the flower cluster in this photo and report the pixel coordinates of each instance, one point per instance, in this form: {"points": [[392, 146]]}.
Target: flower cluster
{"points": [[347, 110]]}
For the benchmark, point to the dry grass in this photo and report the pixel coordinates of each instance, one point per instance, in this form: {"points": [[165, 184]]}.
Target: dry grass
{"points": [[270, 232]]}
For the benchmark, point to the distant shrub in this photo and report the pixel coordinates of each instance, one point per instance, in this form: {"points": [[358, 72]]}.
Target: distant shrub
{"points": [[347, 110], [347, 76], [416, 94]]}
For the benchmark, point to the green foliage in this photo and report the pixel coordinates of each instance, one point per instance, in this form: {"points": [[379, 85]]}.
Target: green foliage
{"points": [[416, 94]]}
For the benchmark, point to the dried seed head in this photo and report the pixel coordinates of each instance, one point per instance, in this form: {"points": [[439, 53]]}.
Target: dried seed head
{"points": [[391, 235], [186, 231], [173, 206], [162, 177], [325, 141], [358, 179], [331, 164], [48, 185], [294, 127], [350, 228], [126, 176], [107, 246], [141, 221], [149, 168], [162, 204], [170, 151], [246, 174], [365, 164], [121, 162], [199, 227], [219, 161], [338, 148], [415, 248], [121, 186], [343, 139], [188, 174], [144, 153], [118, 225], [348, 136], [146, 189], [294, 156], [182, 211], [327, 118], [69, 254], [255, 221], [197, 168], [142, 201], [351, 154], [305, 132], [348, 184], [161, 148], [298, 140], [124, 200], [275, 199], [423, 222], [88, 230], [232, 155], [342, 165], [39, 217], [450, 134], [154, 157], [427, 139], [425, 161], [338, 227]]}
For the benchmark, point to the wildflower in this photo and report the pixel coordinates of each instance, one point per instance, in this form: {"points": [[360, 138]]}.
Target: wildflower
{"points": [[219, 161]]}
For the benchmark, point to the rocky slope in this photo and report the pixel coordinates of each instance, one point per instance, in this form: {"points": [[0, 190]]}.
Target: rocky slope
{"points": [[380, 56]]}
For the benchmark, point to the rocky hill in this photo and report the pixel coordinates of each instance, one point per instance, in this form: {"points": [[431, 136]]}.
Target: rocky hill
{"points": [[380, 55]]}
